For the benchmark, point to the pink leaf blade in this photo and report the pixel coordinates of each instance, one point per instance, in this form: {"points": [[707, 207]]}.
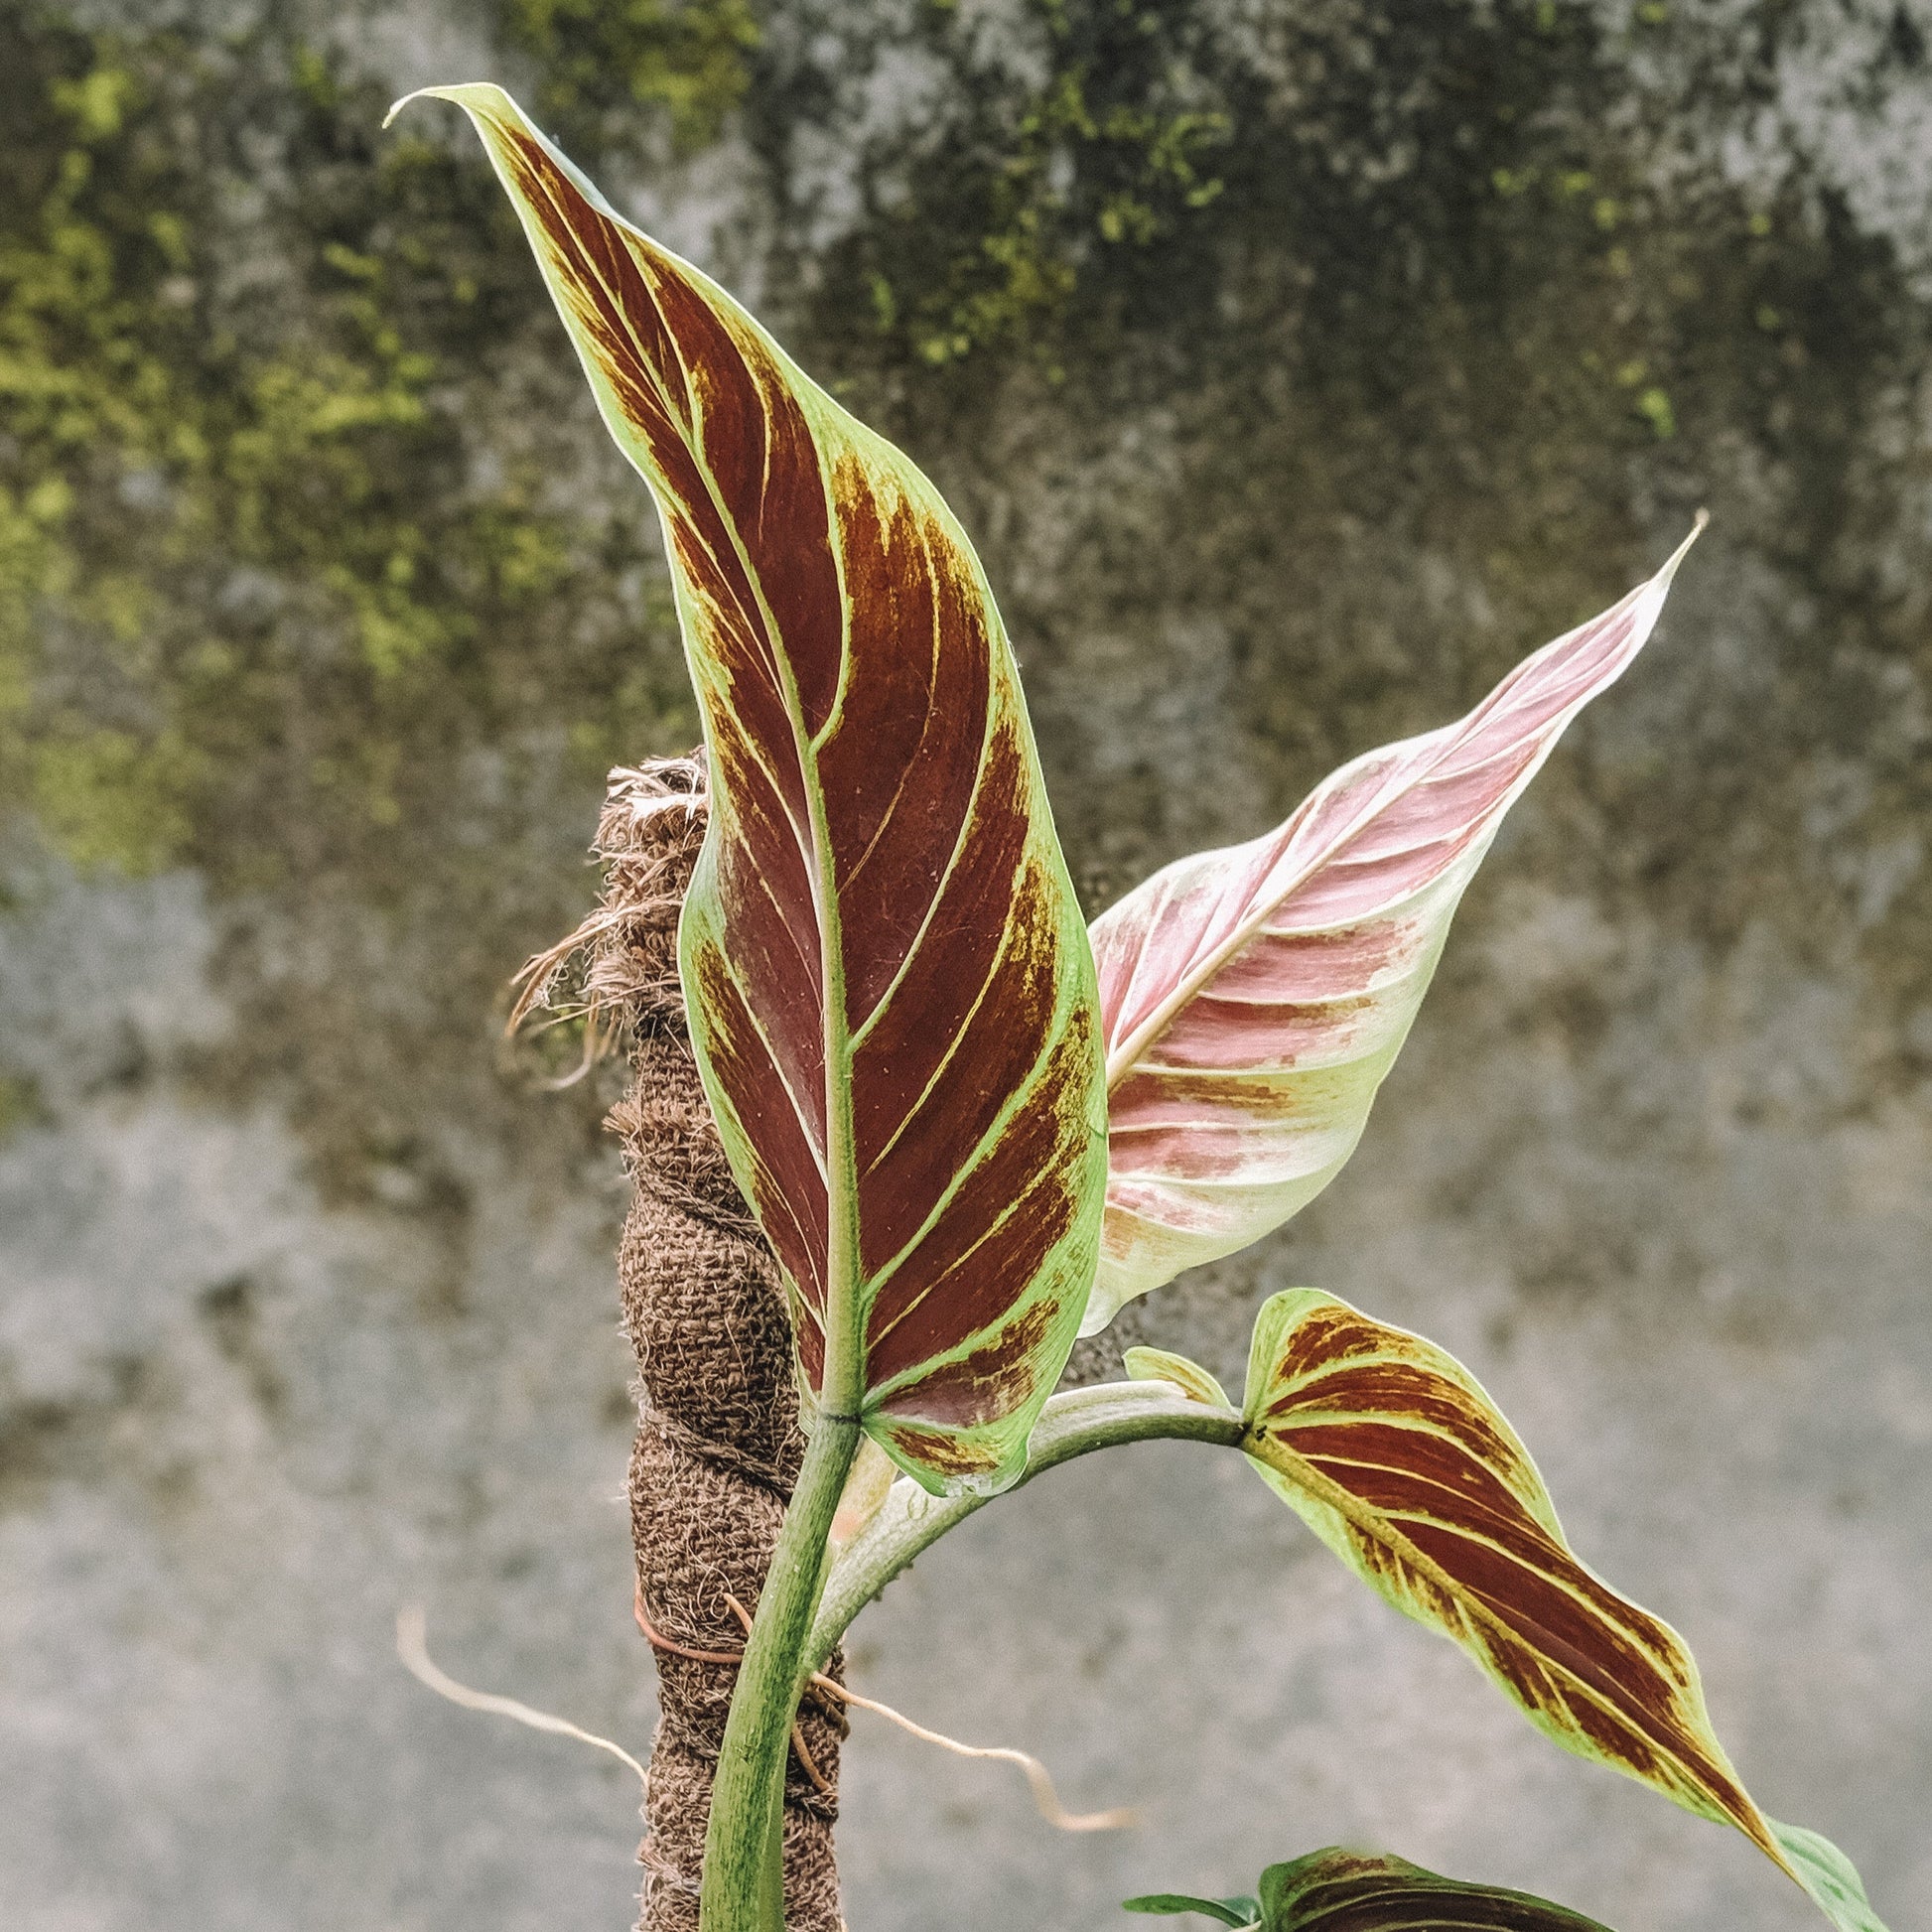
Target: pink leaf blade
{"points": [[1254, 998]]}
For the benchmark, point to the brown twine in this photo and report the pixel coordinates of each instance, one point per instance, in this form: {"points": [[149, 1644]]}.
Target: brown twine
{"points": [[718, 1443]]}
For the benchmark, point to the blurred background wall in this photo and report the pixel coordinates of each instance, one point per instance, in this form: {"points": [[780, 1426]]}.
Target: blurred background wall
{"points": [[1298, 365]]}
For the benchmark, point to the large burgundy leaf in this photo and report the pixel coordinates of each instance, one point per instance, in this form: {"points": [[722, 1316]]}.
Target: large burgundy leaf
{"points": [[890, 987], [1254, 997]]}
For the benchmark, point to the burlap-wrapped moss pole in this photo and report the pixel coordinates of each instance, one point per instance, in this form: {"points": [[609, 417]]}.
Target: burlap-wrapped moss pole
{"points": [[718, 1439]]}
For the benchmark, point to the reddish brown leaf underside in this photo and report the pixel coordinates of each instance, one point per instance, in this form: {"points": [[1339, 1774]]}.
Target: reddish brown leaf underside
{"points": [[890, 985]]}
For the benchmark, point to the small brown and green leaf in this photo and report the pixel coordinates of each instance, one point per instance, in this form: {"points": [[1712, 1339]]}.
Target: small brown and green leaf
{"points": [[1390, 1450], [1354, 1891], [1337, 1890]]}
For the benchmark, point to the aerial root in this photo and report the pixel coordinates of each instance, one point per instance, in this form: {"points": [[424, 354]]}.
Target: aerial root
{"points": [[1047, 1798], [413, 1648]]}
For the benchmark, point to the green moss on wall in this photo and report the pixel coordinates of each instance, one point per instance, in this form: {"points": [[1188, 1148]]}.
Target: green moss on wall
{"points": [[260, 532], [1035, 186], [267, 555], [1103, 141], [1066, 139], [606, 65]]}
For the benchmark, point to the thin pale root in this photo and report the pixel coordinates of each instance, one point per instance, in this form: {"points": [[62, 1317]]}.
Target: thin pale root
{"points": [[413, 1648], [1046, 1798]]}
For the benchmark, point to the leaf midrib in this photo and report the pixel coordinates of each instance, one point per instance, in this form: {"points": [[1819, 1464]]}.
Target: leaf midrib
{"points": [[840, 1163]]}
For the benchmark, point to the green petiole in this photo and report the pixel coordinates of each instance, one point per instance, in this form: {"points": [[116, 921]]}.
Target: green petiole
{"points": [[1074, 1423]]}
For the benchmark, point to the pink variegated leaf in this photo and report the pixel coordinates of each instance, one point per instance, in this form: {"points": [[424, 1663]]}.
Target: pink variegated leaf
{"points": [[1253, 998]]}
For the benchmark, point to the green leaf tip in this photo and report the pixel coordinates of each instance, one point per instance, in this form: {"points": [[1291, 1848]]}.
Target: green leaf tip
{"points": [[396, 108], [1239, 1912], [1828, 1876]]}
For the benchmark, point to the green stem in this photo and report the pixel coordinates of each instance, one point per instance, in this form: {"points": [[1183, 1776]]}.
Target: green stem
{"points": [[1074, 1423], [743, 1866]]}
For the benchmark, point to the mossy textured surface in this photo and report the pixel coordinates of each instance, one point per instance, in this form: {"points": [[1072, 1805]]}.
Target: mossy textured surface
{"points": [[271, 536]]}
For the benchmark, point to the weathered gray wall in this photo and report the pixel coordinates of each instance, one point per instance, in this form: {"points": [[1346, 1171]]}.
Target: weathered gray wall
{"points": [[1657, 1161]]}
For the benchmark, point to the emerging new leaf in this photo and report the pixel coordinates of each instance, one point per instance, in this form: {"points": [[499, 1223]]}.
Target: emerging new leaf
{"points": [[1354, 1892], [1161, 1365], [889, 985], [1391, 1453], [1253, 998]]}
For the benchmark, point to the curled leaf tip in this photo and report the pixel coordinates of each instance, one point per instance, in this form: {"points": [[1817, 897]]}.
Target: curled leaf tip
{"points": [[450, 92], [397, 106]]}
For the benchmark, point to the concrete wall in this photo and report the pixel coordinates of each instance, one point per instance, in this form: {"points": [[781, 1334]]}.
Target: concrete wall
{"points": [[1657, 1163]]}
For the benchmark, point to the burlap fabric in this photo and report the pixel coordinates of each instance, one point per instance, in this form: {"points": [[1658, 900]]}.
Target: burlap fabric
{"points": [[718, 1440]]}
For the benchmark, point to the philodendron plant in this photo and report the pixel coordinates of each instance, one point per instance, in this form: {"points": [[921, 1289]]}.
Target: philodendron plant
{"points": [[971, 1128]]}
